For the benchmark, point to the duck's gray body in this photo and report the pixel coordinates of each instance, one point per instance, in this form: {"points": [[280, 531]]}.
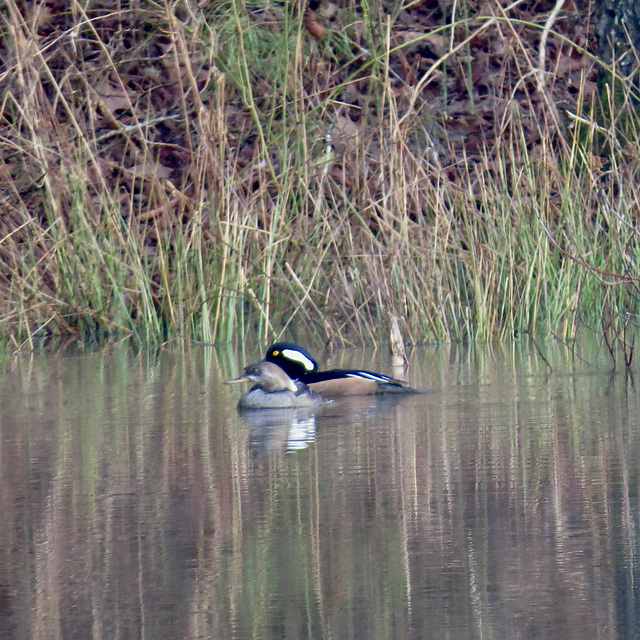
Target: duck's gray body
{"points": [[258, 398]]}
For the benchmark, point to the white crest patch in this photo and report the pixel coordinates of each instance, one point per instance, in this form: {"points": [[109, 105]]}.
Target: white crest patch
{"points": [[297, 356]]}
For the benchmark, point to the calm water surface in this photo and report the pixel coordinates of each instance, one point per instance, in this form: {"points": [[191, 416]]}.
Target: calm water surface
{"points": [[137, 503]]}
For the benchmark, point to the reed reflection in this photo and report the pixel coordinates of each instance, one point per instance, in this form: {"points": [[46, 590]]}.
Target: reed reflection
{"points": [[137, 501]]}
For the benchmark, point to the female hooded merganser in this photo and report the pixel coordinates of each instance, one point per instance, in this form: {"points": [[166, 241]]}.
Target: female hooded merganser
{"points": [[274, 389], [299, 365]]}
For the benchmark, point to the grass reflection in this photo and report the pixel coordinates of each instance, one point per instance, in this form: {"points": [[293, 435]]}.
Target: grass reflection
{"points": [[135, 502]]}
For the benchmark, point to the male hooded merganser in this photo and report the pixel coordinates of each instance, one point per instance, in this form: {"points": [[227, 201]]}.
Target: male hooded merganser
{"points": [[274, 389], [299, 365]]}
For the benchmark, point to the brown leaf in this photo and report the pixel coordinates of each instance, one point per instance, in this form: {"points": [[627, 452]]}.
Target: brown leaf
{"points": [[313, 25], [148, 169], [114, 97]]}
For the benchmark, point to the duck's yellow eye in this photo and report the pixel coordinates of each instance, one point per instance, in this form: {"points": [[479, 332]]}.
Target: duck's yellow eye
{"points": [[276, 353]]}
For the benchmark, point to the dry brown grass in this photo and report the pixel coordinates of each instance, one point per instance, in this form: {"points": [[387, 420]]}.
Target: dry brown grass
{"points": [[167, 173]]}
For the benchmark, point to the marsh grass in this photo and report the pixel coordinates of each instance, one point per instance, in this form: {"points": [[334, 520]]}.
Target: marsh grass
{"points": [[176, 173]]}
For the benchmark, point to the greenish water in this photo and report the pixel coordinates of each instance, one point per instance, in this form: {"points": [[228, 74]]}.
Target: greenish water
{"points": [[137, 503]]}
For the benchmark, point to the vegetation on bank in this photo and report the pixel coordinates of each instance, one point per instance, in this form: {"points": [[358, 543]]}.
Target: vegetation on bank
{"points": [[212, 170]]}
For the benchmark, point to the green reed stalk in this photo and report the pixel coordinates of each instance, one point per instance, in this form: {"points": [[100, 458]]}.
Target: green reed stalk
{"points": [[286, 185]]}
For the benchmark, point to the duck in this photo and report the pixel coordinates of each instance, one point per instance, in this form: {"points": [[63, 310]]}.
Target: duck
{"points": [[274, 389], [299, 365]]}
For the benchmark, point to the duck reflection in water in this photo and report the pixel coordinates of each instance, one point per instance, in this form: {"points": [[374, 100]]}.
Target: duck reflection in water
{"points": [[280, 429]]}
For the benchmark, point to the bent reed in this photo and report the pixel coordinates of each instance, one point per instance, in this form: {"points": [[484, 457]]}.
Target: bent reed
{"points": [[204, 171]]}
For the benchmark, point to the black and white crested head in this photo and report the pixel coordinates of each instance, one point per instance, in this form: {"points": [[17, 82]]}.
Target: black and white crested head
{"points": [[295, 360]]}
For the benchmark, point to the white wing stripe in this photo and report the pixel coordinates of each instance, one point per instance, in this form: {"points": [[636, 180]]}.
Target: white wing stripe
{"points": [[370, 376]]}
